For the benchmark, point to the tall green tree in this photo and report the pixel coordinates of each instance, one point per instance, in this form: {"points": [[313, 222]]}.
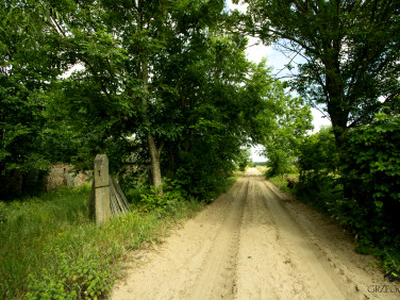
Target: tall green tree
{"points": [[350, 48], [244, 159], [282, 142], [30, 59], [122, 46]]}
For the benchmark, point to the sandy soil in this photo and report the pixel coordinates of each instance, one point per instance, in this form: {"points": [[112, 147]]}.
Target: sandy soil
{"points": [[255, 242]]}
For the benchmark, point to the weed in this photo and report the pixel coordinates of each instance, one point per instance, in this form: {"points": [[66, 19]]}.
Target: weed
{"points": [[81, 279]]}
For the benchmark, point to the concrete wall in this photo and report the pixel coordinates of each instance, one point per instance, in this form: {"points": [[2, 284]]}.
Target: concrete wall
{"points": [[63, 175]]}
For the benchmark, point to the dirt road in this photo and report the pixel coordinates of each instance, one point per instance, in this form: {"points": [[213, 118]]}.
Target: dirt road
{"points": [[254, 243]]}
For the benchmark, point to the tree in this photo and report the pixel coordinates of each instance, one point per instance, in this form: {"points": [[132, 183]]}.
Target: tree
{"points": [[318, 164], [133, 53], [350, 48], [161, 79], [225, 103], [244, 159], [318, 154], [283, 140], [29, 60]]}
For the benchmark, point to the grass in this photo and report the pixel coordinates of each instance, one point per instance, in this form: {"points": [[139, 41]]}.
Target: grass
{"points": [[282, 183], [50, 249], [262, 169]]}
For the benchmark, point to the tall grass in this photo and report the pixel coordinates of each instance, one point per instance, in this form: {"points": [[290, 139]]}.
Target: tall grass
{"points": [[49, 248]]}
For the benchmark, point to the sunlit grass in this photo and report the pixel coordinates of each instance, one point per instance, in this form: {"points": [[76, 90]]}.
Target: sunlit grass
{"points": [[43, 239]]}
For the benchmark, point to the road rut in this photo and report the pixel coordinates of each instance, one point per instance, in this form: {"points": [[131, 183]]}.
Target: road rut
{"points": [[254, 242]]}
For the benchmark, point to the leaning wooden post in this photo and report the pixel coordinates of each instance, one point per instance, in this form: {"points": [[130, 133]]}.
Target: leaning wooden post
{"points": [[102, 189]]}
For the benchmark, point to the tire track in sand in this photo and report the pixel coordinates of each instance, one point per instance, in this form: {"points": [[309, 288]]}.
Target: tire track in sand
{"points": [[217, 277]]}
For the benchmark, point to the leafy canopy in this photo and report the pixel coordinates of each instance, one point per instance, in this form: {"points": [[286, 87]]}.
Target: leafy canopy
{"points": [[350, 49]]}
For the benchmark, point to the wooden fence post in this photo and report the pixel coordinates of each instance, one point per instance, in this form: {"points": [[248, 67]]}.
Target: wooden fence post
{"points": [[102, 189]]}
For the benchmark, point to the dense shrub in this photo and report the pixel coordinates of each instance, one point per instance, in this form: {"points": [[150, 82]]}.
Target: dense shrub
{"points": [[371, 174], [202, 175], [172, 200], [317, 163], [82, 279]]}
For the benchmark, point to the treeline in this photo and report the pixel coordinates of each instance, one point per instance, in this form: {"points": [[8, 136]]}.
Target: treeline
{"points": [[163, 87]]}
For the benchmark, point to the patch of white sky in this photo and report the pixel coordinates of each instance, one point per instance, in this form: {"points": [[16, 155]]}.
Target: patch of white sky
{"points": [[277, 61], [75, 68]]}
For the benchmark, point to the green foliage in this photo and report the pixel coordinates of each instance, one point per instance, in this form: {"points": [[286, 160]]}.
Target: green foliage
{"points": [[349, 50], [83, 279], [283, 139], [157, 81], [134, 193], [171, 201], [372, 160], [194, 108], [318, 162], [361, 194], [3, 215], [221, 120], [244, 159], [372, 175], [30, 60], [318, 152], [282, 182], [278, 164]]}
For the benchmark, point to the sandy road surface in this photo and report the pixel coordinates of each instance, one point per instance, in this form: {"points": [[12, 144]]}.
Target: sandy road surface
{"points": [[254, 243]]}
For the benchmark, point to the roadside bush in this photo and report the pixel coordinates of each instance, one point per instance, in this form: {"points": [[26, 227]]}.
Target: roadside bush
{"points": [[134, 194], [319, 190], [359, 186], [205, 181], [318, 180], [371, 174], [204, 163], [292, 182], [171, 200], [18, 184], [243, 159]]}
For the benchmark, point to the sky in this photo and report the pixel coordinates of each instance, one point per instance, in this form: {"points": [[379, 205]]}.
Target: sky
{"points": [[275, 59]]}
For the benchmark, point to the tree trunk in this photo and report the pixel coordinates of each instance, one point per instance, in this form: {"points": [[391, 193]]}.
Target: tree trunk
{"points": [[339, 115], [143, 72], [155, 155]]}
